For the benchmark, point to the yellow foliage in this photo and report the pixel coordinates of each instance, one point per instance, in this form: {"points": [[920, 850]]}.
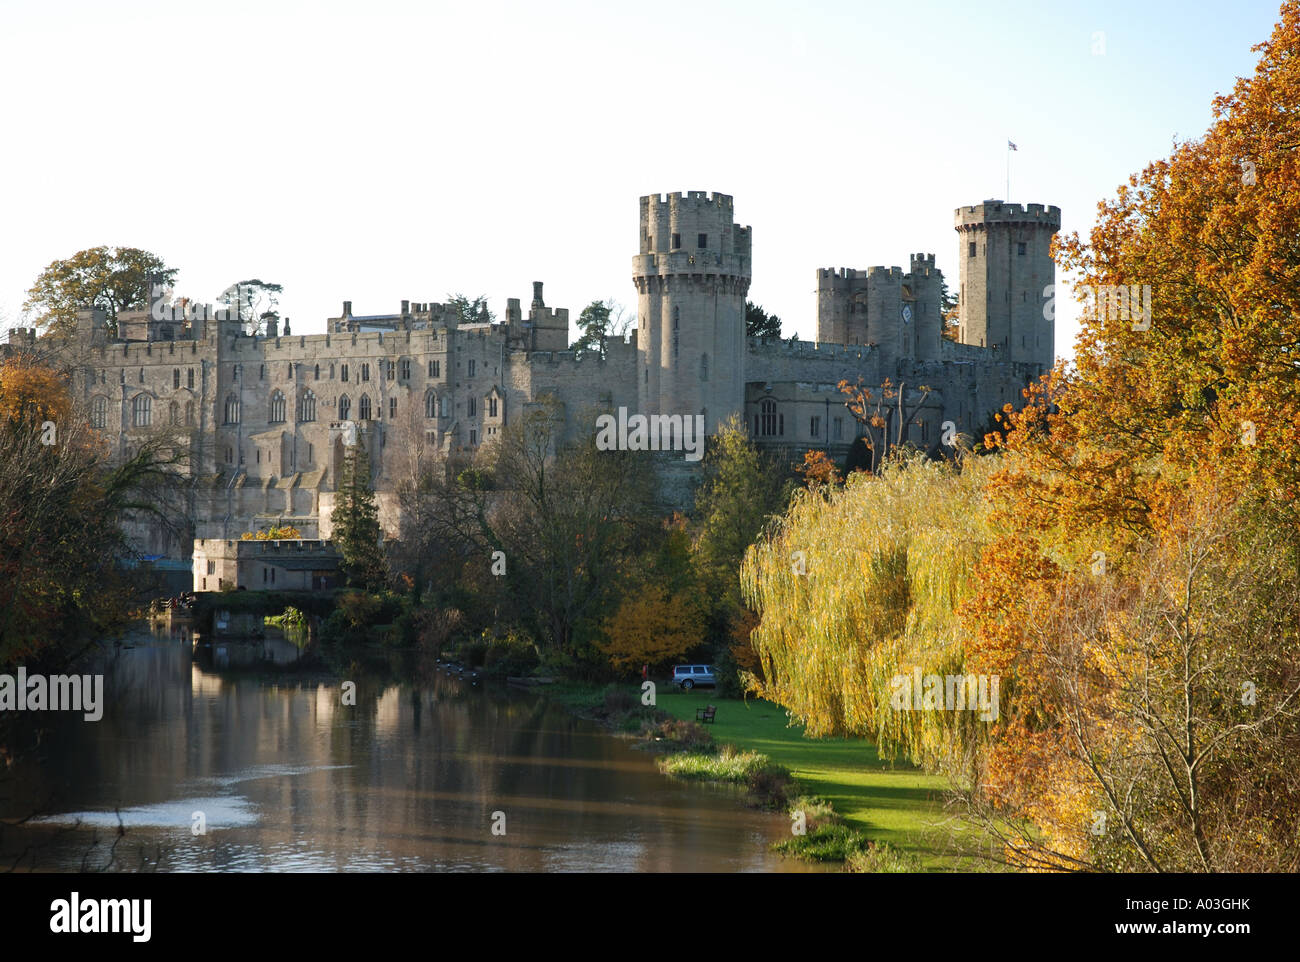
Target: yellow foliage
{"points": [[650, 627]]}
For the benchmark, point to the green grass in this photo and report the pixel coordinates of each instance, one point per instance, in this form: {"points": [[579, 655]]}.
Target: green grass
{"points": [[896, 804], [726, 765]]}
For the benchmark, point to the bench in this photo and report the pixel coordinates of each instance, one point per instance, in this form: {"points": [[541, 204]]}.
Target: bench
{"points": [[706, 714]]}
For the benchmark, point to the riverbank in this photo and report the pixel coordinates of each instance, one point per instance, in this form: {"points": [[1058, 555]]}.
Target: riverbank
{"points": [[892, 803]]}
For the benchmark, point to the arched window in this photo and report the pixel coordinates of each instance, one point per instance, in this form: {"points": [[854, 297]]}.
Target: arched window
{"points": [[769, 420], [365, 371], [704, 367], [430, 404], [232, 409], [189, 412], [189, 379], [99, 412], [318, 372], [173, 413], [343, 372], [308, 412], [345, 407], [176, 377], [363, 408], [277, 408], [141, 409]]}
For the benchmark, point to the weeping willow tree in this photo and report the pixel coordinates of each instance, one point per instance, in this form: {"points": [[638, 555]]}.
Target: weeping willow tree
{"points": [[857, 586]]}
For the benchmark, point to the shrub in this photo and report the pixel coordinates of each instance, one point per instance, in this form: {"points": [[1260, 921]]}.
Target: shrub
{"points": [[826, 843], [680, 735], [620, 699], [880, 857], [726, 765], [816, 811], [514, 653]]}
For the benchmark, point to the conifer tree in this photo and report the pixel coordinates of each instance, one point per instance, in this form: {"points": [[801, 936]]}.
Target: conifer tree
{"points": [[356, 523]]}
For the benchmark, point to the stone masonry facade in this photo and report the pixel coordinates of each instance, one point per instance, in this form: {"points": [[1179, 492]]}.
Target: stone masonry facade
{"points": [[268, 417]]}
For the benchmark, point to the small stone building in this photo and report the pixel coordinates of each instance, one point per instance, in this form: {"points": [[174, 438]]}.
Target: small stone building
{"points": [[298, 565]]}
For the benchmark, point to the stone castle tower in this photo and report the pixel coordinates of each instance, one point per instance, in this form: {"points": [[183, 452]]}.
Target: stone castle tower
{"points": [[1006, 274], [267, 416], [691, 276]]}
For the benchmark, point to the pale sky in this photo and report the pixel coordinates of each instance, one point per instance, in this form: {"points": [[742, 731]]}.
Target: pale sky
{"points": [[386, 150]]}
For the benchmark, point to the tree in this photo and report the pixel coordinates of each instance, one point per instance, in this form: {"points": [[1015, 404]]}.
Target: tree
{"points": [[567, 517], [1153, 723], [564, 517], [273, 533], [858, 584], [356, 523], [650, 627], [818, 468], [1146, 505], [741, 491], [758, 323], [113, 279], [470, 310], [253, 302], [949, 311], [883, 412], [62, 503], [599, 320]]}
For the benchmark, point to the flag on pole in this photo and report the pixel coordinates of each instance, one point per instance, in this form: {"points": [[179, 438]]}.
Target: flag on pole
{"points": [[1011, 146]]}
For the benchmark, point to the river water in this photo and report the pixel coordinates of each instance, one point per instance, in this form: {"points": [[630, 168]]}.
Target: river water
{"points": [[439, 776]]}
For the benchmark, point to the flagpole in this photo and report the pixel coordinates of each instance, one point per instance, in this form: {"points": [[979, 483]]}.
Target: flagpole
{"points": [[1008, 170]]}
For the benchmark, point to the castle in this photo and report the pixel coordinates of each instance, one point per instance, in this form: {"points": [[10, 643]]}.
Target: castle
{"points": [[269, 416]]}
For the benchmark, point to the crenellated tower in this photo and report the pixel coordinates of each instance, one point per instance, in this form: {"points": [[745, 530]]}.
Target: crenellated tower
{"points": [[692, 275], [1006, 266]]}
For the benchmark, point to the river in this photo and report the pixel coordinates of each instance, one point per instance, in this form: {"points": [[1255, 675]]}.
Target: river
{"points": [[282, 776]]}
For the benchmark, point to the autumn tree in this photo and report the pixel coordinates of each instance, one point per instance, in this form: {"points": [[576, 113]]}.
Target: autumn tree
{"points": [[1180, 412], [885, 413], [113, 279], [660, 617], [63, 501], [273, 533], [818, 468]]}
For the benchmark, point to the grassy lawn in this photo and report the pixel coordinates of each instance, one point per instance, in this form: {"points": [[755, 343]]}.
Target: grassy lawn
{"points": [[892, 803]]}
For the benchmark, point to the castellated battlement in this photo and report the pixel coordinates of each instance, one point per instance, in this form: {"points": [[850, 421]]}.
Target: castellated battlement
{"points": [[694, 221], [812, 350], [693, 198], [997, 211], [847, 277], [922, 263]]}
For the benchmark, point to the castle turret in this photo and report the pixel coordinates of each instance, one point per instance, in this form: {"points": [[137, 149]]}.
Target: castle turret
{"points": [[691, 276], [1006, 266]]}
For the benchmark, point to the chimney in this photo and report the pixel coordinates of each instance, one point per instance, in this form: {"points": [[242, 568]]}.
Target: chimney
{"points": [[537, 296], [347, 308]]}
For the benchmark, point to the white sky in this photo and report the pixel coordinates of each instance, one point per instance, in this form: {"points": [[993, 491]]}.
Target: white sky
{"points": [[386, 150]]}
